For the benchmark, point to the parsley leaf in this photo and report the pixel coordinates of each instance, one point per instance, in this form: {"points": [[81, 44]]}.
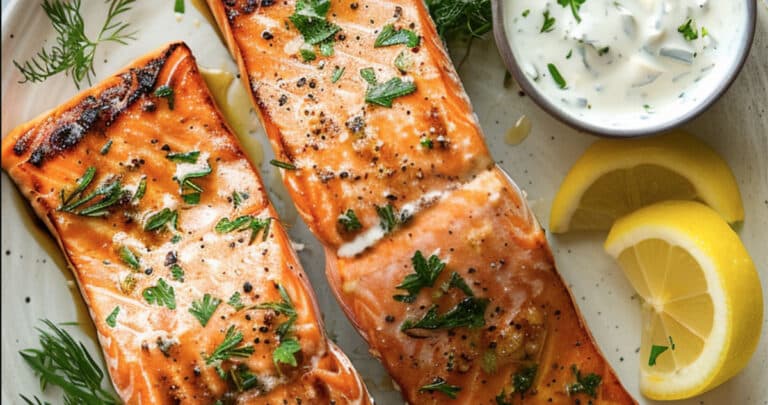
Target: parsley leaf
{"points": [[388, 219], [177, 273], [243, 378], [307, 55], [166, 92], [228, 347], [244, 223], [440, 385], [556, 76], [575, 7], [390, 36], [456, 281], [161, 294], [161, 218], [404, 62], [549, 22], [349, 221], [523, 380], [129, 257], [384, 93], [425, 273], [204, 309], [112, 318], [309, 19], [689, 30], [285, 352], [584, 384], [235, 301], [368, 75], [469, 312], [656, 351]]}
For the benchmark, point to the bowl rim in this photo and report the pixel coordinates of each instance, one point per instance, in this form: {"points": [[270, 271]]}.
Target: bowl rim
{"points": [[507, 56]]}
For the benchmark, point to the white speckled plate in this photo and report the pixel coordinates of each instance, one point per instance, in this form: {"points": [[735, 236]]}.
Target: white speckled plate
{"points": [[36, 284]]}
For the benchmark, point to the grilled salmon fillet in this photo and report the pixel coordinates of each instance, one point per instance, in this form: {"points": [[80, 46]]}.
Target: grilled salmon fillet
{"points": [[431, 250], [195, 291]]}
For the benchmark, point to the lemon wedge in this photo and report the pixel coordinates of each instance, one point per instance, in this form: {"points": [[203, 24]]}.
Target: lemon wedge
{"points": [[615, 177], [702, 300]]}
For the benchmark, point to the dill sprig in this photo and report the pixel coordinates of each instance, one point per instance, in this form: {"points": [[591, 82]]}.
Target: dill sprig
{"points": [[63, 362], [461, 19], [74, 52]]}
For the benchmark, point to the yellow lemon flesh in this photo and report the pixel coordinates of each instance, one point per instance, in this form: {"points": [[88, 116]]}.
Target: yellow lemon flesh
{"points": [[615, 177], [701, 292]]}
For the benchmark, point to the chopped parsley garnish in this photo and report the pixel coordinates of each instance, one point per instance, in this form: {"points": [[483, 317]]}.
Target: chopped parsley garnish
{"points": [[456, 281], [244, 223], [575, 7], [284, 353], [166, 92], [603, 51], [526, 12], [141, 189], [228, 348], [177, 273], [387, 216], [105, 149], [426, 143], [523, 380], [238, 197], [203, 309], [549, 22], [160, 219], [469, 312], [243, 378], [112, 318], [307, 55], [584, 384], [440, 385], [569, 54], [178, 7], [161, 294], [349, 221], [556, 76], [63, 362], [656, 351], [186, 157], [369, 75], [426, 271], [404, 62], [235, 301], [648, 108], [384, 93], [390, 36], [176, 238], [309, 19], [129, 257], [337, 73], [282, 165], [689, 30], [326, 48]]}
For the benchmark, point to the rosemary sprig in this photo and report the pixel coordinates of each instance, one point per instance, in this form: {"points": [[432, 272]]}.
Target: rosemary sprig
{"points": [[73, 51], [63, 362]]}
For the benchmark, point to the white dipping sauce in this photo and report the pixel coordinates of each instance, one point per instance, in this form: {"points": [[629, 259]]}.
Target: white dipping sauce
{"points": [[625, 60]]}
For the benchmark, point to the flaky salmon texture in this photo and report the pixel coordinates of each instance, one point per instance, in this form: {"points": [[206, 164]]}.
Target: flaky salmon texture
{"points": [[430, 249], [195, 292]]}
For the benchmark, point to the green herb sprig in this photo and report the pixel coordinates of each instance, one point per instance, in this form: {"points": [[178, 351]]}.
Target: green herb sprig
{"points": [[469, 312], [289, 346], [204, 308], [73, 52], [440, 385], [426, 271], [390, 36], [245, 223], [586, 384], [228, 348], [63, 362]]}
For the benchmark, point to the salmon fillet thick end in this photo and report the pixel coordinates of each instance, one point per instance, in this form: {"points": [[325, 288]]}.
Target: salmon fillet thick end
{"points": [[142, 184], [431, 250]]}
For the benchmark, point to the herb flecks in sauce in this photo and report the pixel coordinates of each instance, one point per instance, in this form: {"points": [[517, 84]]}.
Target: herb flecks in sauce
{"points": [[439, 384], [469, 312]]}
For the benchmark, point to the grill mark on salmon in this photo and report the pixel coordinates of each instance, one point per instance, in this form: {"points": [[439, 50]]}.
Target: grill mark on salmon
{"points": [[157, 354], [450, 200]]}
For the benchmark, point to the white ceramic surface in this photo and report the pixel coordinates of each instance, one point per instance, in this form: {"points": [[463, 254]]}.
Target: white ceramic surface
{"points": [[737, 126]]}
